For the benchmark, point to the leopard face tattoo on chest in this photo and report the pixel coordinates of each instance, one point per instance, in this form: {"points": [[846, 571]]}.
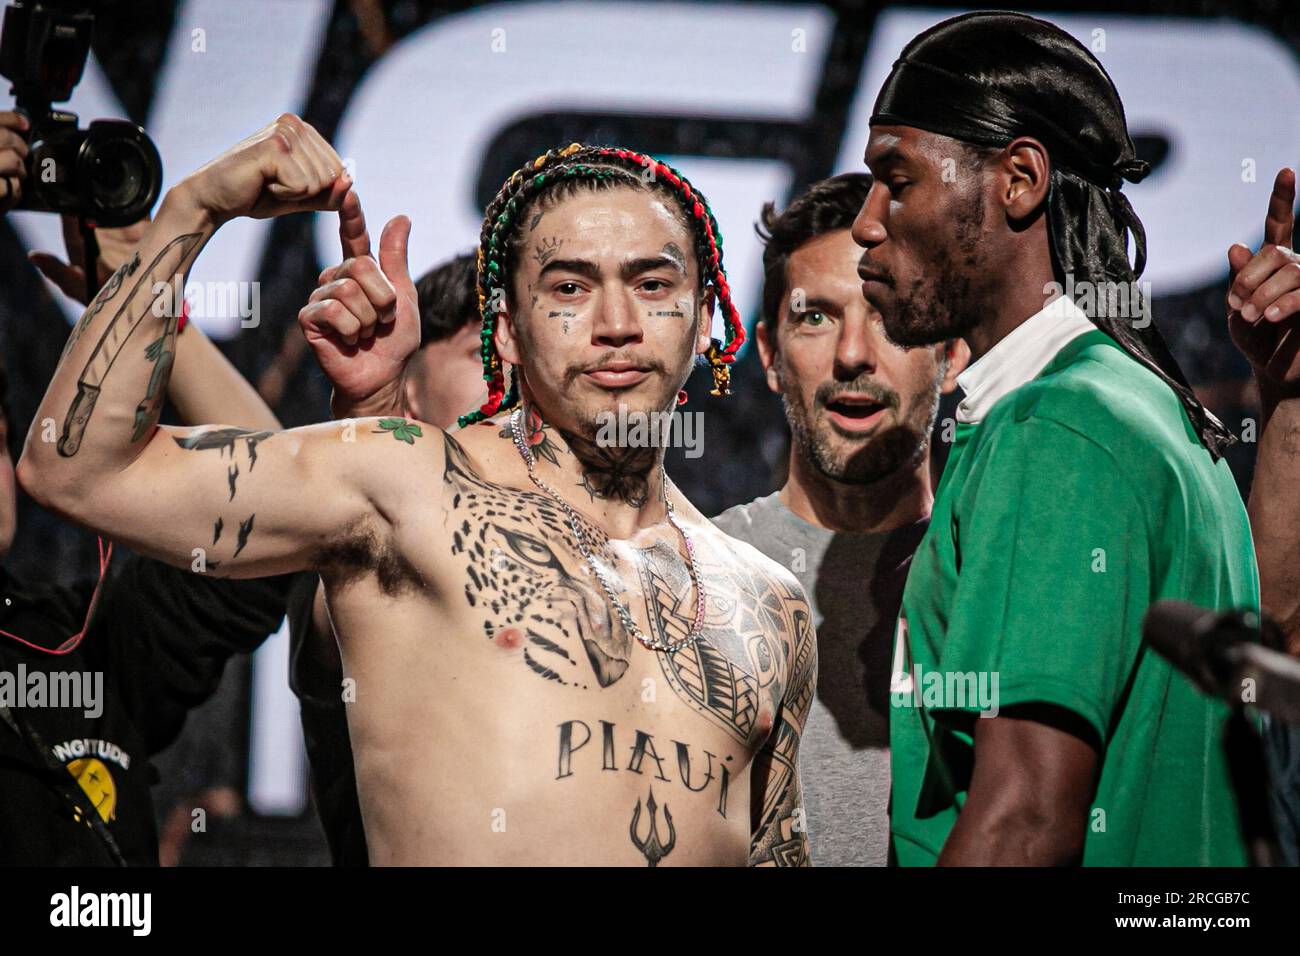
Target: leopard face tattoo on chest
{"points": [[524, 573], [521, 572]]}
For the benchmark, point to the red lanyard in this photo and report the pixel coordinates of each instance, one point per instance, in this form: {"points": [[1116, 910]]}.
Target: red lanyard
{"points": [[70, 645]]}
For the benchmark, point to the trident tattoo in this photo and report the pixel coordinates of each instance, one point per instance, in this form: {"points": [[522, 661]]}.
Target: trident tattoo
{"points": [[653, 849]]}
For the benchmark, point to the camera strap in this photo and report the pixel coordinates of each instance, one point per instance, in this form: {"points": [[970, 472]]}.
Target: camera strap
{"points": [[90, 255]]}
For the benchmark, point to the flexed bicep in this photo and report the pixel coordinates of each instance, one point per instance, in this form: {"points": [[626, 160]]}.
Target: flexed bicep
{"points": [[245, 502]]}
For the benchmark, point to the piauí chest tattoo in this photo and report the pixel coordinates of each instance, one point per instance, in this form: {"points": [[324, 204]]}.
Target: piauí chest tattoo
{"points": [[524, 574]]}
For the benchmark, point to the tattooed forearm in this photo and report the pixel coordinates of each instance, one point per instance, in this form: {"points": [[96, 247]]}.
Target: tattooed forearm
{"points": [[134, 309], [162, 352], [110, 289]]}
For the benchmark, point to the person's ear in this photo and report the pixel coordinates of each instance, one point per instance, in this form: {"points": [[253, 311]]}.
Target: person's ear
{"points": [[957, 352], [411, 394], [507, 341], [704, 321], [1025, 177], [767, 354]]}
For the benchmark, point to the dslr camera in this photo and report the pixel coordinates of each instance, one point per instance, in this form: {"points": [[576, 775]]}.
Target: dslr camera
{"points": [[109, 174]]}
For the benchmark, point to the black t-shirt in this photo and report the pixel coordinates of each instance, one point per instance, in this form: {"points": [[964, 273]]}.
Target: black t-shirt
{"points": [[1282, 748], [317, 680], [157, 645]]}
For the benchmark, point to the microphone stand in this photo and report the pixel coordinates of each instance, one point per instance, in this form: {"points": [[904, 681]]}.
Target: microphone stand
{"points": [[1220, 653]]}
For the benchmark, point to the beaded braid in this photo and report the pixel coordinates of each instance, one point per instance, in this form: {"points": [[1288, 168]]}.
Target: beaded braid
{"points": [[577, 161]]}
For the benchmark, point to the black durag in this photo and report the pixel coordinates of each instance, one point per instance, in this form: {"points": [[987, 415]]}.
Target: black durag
{"points": [[988, 78]]}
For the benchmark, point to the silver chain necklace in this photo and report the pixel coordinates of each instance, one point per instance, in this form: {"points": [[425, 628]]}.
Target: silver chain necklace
{"points": [[624, 615]]}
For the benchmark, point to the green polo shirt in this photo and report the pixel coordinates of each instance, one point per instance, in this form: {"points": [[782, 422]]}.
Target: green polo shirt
{"points": [[1082, 498]]}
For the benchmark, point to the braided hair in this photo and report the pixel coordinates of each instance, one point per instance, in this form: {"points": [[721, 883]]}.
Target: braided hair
{"points": [[560, 172]]}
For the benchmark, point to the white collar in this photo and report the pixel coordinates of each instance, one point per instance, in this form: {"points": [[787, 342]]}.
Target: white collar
{"points": [[1019, 356]]}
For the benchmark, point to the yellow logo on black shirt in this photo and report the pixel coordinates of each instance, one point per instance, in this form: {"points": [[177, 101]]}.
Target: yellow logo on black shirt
{"points": [[94, 778]]}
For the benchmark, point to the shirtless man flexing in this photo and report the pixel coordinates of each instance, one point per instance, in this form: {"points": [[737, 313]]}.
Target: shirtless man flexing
{"points": [[503, 597]]}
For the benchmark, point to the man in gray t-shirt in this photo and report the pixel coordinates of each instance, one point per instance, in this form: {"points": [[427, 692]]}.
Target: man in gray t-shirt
{"points": [[855, 505], [854, 583]]}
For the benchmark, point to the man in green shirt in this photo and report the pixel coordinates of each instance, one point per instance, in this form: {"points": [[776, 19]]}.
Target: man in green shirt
{"points": [[1031, 725], [1063, 514]]}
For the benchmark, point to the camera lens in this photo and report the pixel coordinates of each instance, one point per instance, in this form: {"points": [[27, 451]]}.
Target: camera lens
{"points": [[118, 171]]}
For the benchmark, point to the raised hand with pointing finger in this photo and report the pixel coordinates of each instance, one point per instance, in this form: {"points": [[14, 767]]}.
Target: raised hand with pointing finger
{"points": [[363, 320], [1264, 297], [1263, 305]]}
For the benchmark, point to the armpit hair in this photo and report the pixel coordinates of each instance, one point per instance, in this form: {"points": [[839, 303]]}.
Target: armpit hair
{"points": [[361, 550]]}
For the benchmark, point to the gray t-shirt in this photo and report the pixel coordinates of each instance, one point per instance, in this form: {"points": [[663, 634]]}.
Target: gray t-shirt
{"points": [[854, 583]]}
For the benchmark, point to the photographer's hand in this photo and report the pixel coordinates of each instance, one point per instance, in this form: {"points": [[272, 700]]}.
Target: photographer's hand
{"points": [[115, 246], [13, 157]]}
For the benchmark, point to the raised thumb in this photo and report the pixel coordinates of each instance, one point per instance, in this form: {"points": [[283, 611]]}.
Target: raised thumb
{"points": [[392, 250]]}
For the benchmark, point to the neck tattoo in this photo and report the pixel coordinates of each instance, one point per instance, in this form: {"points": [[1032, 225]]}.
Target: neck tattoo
{"points": [[611, 594]]}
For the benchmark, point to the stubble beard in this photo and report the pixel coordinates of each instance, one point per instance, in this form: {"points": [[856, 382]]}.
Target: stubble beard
{"points": [[942, 304], [902, 447], [614, 472]]}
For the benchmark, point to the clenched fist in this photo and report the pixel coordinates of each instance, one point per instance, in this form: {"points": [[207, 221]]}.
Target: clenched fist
{"points": [[284, 167], [115, 247]]}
